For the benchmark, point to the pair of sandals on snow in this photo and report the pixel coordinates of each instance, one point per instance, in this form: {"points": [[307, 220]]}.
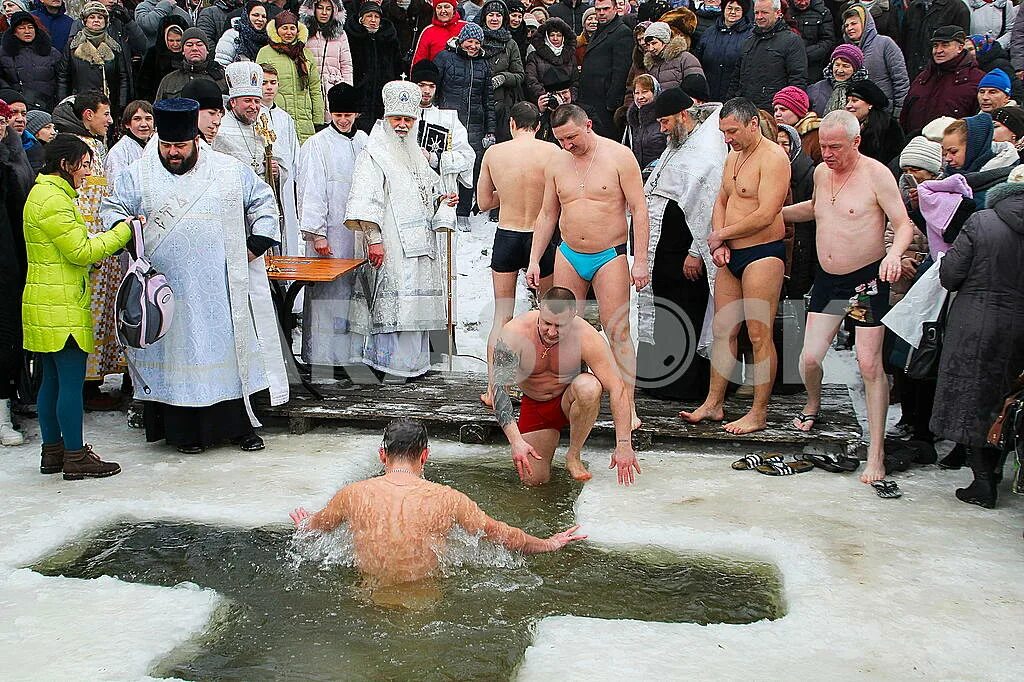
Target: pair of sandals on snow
{"points": [[773, 465]]}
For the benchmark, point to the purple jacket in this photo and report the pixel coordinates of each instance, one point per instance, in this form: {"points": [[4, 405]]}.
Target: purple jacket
{"points": [[939, 201]]}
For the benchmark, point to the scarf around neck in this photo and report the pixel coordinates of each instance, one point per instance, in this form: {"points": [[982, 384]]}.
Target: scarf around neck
{"points": [[94, 47], [294, 51], [557, 51], [249, 40]]}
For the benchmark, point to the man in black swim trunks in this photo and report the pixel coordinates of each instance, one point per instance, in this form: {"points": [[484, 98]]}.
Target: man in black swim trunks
{"points": [[853, 195], [746, 245], [512, 180]]}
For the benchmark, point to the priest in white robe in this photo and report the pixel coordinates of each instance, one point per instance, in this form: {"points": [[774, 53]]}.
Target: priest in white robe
{"points": [[325, 168], [208, 221], [246, 130], [393, 200], [675, 312]]}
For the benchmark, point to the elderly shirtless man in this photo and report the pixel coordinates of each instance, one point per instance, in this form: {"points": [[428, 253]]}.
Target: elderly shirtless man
{"points": [[746, 245], [512, 180], [588, 188], [853, 195], [543, 351], [399, 522]]}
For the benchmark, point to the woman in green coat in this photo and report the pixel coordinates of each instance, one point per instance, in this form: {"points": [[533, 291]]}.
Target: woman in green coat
{"points": [[56, 318], [298, 78]]}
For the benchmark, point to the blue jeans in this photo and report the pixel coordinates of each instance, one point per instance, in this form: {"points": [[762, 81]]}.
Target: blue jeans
{"points": [[60, 395]]}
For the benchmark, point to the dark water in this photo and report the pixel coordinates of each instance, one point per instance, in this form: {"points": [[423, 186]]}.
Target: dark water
{"points": [[287, 620]]}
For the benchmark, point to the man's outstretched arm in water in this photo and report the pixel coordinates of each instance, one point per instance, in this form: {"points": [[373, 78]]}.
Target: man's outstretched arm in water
{"points": [[466, 513]]}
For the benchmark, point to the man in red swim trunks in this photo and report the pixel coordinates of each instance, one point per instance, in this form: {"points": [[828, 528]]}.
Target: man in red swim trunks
{"points": [[543, 351]]}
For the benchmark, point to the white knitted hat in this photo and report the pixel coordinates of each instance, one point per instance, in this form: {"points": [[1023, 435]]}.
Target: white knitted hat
{"points": [[245, 79], [401, 98]]}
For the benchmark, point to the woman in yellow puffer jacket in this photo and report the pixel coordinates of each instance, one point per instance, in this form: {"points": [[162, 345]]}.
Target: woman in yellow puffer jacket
{"points": [[55, 307]]}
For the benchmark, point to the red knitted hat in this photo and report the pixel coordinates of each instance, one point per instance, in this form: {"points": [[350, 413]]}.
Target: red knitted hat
{"points": [[794, 99]]}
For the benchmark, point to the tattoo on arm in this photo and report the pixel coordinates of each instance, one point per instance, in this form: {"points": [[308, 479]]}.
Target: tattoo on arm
{"points": [[503, 407], [506, 362]]}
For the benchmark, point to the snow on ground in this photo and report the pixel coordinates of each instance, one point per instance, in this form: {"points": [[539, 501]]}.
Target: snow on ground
{"points": [[920, 587]]}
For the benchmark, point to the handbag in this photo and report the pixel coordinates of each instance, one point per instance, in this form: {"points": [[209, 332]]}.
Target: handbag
{"points": [[924, 360], [1005, 430]]}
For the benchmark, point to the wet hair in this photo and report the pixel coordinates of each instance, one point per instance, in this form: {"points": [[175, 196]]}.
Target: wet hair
{"points": [[958, 128], [90, 100], [526, 115], [63, 154], [131, 108], [568, 112], [405, 438], [270, 68], [559, 300], [740, 108]]}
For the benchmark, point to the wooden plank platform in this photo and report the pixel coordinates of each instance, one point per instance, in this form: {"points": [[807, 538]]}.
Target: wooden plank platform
{"points": [[449, 403]]}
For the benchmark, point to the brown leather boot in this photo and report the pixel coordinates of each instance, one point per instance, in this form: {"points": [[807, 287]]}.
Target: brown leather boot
{"points": [[85, 463], [52, 461]]}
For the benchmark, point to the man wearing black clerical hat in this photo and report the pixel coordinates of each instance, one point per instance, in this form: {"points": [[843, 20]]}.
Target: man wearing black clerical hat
{"points": [[209, 218]]}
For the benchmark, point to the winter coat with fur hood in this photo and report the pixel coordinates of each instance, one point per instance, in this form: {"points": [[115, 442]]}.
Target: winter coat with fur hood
{"points": [[329, 47], [543, 60], [303, 101], [673, 64], [985, 266], [30, 68]]}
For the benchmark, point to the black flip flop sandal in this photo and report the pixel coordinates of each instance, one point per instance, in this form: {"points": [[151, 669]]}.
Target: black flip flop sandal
{"points": [[784, 468], [753, 461], [815, 420], [835, 464], [887, 490]]}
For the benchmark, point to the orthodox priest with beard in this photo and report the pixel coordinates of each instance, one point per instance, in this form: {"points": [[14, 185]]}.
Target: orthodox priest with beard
{"points": [[394, 196], [681, 194], [325, 180], [208, 221]]}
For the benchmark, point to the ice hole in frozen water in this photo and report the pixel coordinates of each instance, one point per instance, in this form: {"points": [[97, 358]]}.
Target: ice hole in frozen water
{"points": [[294, 609]]}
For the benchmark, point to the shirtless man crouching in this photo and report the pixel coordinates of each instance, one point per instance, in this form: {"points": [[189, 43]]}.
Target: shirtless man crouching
{"points": [[512, 180], [399, 521], [746, 243], [588, 188], [855, 272], [543, 351]]}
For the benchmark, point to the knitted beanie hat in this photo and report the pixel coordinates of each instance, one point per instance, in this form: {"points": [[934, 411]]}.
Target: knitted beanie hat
{"points": [[1012, 118], [37, 120], [850, 54], [922, 153], [659, 30], [471, 31], [996, 78], [794, 99]]}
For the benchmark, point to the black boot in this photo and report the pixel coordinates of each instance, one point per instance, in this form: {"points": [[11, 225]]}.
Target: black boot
{"points": [[982, 491], [956, 458]]}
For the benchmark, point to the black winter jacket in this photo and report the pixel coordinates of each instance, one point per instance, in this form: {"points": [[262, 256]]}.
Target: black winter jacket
{"points": [[819, 33], [606, 66], [122, 27], [719, 51], [983, 350], [770, 60], [159, 61], [571, 12], [919, 24], [465, 85], [375, 61], [31, 69], [542, 60], [115, 77]]}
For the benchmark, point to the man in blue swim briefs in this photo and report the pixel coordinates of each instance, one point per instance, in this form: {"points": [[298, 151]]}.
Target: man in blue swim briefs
{"points": [[746, 245], [853, 195], [588, 187]]}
